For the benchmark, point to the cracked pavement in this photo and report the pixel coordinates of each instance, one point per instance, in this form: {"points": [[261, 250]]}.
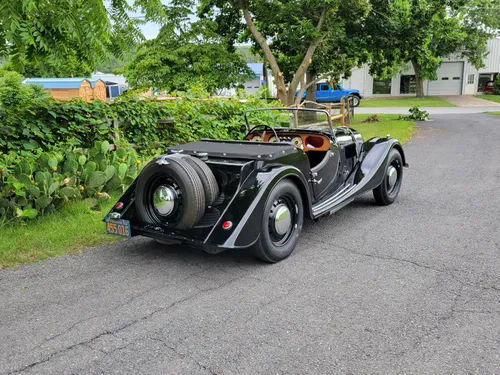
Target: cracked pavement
{"points": [[411, 288]]}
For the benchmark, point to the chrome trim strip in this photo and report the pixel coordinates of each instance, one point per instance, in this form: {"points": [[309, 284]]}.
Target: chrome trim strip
{"points": [[225, 163], [342, 205], [327, 204]]}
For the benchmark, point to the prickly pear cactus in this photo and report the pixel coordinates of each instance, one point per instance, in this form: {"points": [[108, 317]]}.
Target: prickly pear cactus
{"points": [[38, 183]]}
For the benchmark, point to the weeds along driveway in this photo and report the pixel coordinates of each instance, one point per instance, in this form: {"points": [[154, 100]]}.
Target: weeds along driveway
{"points": [[409, 288]]}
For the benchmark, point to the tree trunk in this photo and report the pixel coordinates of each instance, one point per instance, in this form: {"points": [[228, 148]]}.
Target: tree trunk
{"points": [[286, 96], [311, 96], [311, 90], [419, 82], [278, 75]]}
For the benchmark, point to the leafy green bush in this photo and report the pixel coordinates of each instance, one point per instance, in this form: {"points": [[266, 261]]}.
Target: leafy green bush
{"points": [[43, 181], [30, 121], [416, 114], [496, 85]]}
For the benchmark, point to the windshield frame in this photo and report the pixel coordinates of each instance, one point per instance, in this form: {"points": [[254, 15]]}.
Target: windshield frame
{"points": [[328, 116]]}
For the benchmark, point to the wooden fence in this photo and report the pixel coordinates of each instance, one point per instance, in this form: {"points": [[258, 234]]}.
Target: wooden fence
{"points": [[345, 109]]}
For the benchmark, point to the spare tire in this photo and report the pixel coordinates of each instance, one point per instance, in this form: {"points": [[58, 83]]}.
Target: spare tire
{"points": [[170, 192], [207, 178]]}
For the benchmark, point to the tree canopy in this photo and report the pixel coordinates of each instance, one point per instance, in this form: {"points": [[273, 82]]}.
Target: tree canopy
{"points": [[39, 34], [329, 38], [289, 33], [181, 57], [422, 33]]}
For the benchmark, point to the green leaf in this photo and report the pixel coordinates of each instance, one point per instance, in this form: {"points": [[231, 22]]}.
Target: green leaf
{"points": [[68, 192], [96, 179], [121, 152], [35, 191], [22, 201], [26, 167], [70, 167], [39, 176], [24, 179], [43, 202], [52, 162], [29, 213], [105, 147], [122, 170], [53, 187], [110, 172], [82, 159]]}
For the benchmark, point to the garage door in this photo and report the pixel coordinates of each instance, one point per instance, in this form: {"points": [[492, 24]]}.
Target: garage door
{"points": [[449, 80]]}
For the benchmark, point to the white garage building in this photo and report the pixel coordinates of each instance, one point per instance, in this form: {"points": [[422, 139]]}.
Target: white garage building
{"points": [[456, 76]]}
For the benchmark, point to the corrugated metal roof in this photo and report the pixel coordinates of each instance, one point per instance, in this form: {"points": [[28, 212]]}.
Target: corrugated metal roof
{"points": [[110, 78], [60, 83]]}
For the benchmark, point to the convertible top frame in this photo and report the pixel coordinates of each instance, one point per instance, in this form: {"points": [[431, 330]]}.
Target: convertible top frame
{"points": [[292, 110]]}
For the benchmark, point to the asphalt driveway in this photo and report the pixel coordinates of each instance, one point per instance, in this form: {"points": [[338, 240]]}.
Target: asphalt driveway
{"points": [[411, 288]]}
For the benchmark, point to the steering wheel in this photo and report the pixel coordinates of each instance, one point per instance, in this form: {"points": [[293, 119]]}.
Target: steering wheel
{"points": [[264, 134]]}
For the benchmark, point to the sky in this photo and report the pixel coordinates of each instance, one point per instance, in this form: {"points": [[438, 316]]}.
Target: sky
{"points": [[150, 30]]}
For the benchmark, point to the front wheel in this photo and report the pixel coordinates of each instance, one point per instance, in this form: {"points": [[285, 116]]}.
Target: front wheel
{"points": [[282, 221], [355, 100], [387, 192]]}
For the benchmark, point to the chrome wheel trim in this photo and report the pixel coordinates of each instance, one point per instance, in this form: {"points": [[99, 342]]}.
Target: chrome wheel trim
{"points": [[282, 219], [392, 177], [164, 199]]}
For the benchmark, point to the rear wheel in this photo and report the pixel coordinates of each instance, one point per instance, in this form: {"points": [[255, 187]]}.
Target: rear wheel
{"points": [[281, 224], [387, 192]]}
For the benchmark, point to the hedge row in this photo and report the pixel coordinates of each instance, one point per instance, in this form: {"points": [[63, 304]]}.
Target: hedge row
{"points": [[30, 119]]}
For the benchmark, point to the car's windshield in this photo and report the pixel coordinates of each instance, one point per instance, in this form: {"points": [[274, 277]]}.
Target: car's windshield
{"points": [[304, 118]]}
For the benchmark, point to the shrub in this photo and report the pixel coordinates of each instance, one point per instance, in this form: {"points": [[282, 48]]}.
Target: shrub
{"points": [[496, 85], [416, 114], [29, 123], [43, 181]]}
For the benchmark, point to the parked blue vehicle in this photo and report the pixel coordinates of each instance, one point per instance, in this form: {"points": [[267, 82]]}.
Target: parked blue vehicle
{"points": [[324, 93]]}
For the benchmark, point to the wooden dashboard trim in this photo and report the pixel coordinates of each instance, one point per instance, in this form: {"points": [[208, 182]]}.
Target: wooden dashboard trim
{"points": [[324, 147]]}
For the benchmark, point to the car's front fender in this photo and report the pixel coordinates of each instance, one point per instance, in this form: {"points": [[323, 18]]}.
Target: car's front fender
{"points": [[374, 155]]}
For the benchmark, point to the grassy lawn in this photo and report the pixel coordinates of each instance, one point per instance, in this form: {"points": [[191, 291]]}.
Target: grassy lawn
{"points": [[493, 113], [430, 101], [493, 98], [70, 230], [389, 124]]}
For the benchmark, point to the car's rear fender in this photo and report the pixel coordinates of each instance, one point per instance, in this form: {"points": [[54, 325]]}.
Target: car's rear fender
{"points": [[246, 209]]}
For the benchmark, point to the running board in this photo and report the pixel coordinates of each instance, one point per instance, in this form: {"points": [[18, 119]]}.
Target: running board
{"points": [[332, 203]]}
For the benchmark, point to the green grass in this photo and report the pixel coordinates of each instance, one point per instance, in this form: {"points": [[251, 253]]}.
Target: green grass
{"points": [[388, 124], [70, 230], [493, 98], [430, 101], [493, 113]]}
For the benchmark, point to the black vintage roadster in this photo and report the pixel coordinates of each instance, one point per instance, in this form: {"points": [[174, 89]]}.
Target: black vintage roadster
{"points": [[254, 193]]}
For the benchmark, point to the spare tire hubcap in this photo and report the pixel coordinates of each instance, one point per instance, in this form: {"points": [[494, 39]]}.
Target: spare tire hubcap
{"points": [[164, 199]]}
